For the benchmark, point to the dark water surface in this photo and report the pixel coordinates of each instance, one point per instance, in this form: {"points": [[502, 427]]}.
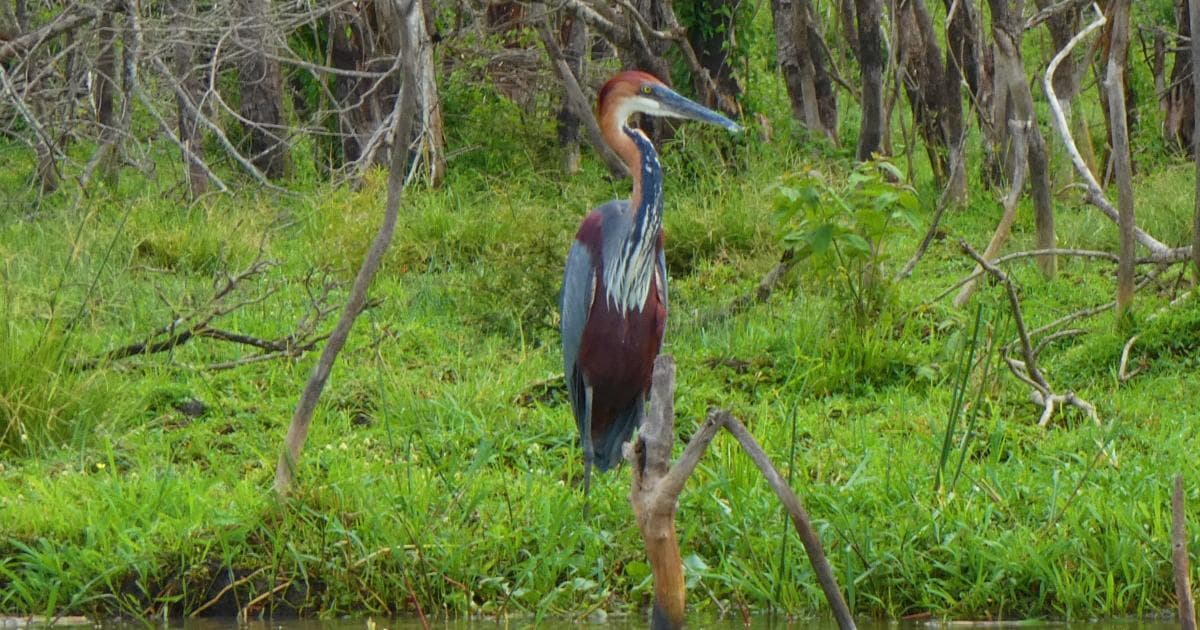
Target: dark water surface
{"points": [[632, 623], [607, 623]]}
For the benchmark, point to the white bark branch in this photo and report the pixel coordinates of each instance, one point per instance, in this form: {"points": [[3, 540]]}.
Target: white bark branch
{"points": [[1095, 193]]}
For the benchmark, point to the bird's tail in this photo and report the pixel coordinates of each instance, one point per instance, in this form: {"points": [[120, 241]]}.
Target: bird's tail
{"points": [[608, 447]]}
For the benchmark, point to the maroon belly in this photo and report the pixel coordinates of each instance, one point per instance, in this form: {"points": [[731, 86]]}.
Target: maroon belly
{"points": [[617, 355]]}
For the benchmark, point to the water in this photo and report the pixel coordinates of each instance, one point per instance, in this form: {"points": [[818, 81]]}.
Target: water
{"points": [[610, 623]]}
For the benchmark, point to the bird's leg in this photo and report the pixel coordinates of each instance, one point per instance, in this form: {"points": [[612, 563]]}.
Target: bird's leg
{"points": [[589, 450]]}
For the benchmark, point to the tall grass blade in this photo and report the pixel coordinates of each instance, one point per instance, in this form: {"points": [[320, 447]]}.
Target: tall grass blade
{"points": [[990, 358], [964, 373]]}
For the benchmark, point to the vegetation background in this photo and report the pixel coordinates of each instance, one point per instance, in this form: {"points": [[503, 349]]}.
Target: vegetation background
{"points": [[166, 277]]}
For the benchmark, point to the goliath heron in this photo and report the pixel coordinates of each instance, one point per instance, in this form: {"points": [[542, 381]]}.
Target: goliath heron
{"points": [[614, 295]]}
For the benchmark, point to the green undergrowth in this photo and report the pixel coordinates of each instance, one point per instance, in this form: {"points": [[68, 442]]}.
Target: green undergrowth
{"points": [[442, 473]]}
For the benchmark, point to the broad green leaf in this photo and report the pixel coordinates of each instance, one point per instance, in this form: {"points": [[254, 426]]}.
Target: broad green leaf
{"points": [[856, 242], [820, 238], [891, 169]]}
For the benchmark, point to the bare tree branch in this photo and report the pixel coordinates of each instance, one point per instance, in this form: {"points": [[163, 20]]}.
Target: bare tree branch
{"points": [[1017, 131], [1027, 370], [1123, 373], [578, 102], [1095, 193], [403, 123], [199, 323], [1053, 10], [75, 15]]}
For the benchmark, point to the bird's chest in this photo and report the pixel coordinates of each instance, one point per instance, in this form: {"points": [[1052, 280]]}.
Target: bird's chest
{"points": [[619, 345]]}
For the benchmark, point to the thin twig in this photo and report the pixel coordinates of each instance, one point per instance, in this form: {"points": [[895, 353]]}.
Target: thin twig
{"points": [[244, 614], [1078, 253], [216, 598], [800, 519], [1055, 336]]}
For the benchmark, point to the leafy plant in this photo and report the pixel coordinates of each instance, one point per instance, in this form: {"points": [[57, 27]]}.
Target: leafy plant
{"points": [[845, 225]]}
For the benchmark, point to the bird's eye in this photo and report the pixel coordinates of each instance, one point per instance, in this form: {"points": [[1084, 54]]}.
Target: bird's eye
{"points": [[646, 89]]}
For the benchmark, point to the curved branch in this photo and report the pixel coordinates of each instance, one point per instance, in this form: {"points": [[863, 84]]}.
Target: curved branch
{"points": [[1095, 194], [302, 416]]}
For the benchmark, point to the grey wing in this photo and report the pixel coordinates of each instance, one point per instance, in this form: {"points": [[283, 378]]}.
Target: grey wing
{"points": [[575, 302]]}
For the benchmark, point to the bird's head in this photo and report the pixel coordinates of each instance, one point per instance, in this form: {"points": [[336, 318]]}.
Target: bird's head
{"points": [[635, 92]]}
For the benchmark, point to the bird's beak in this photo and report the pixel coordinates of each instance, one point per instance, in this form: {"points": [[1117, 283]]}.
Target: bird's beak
{"points": [[674, 104]]}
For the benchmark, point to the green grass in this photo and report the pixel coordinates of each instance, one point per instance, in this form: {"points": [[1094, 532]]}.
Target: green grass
{"points": [[442, 470]]}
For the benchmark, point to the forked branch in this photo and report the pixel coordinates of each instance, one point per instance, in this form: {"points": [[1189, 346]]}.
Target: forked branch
{"points": [[1026, 368], [657, 485]]}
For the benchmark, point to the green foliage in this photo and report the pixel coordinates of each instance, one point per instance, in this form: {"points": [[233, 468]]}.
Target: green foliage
{"points": [[442, 467], [844, 227], [40, 401]]}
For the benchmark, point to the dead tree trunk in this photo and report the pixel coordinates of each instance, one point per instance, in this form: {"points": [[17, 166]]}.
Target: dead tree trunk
{"points": [[962, 64], [713, 40], [846, 21], [105, 86], [1180, 97], [924, 79], [41, 98], [188, 97], [1105, 46], [429, 142], [1194, 19], [1114, 85], [1007, 32], [374, 35], [823, 71], [577, 101], [966, 58], [1179, 557], [261, 88], [362, 103], [575, 39], [956, 187], [1068, 76], [130, 62], [870, 47], [803, 63], [1062, 26]]}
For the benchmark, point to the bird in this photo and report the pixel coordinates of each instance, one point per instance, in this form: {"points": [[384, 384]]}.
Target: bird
{"points": [[613, 302]]}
